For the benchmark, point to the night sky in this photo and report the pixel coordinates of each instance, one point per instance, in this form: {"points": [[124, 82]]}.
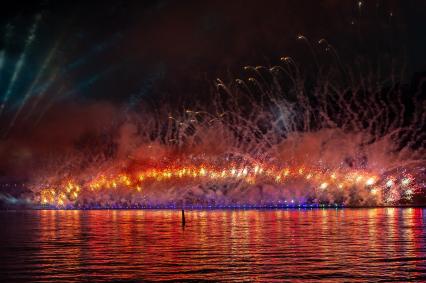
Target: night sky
{"points": [[87, 63], [123, 49]]}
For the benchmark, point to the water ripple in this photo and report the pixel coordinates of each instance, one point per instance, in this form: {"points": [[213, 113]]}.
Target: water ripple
{"points": [[385, 244]]}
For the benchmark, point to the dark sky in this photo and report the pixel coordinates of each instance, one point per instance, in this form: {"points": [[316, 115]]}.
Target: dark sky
{"points": [[121, 50]]}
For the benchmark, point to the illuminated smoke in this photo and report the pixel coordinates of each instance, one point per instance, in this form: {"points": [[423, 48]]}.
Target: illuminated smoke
{"points": [[275, 138]]}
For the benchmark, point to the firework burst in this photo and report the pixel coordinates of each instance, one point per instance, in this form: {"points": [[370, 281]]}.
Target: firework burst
{"points": [[274, 138]]}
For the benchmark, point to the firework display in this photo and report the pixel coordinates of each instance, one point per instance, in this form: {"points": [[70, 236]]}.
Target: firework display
{"points": [[274, 139]]}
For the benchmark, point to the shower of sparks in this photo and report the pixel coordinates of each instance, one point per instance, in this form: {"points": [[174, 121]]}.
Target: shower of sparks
{"points": [[267, 138], [67, 193]]}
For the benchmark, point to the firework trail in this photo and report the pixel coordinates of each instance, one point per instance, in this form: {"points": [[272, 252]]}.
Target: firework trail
{"points": [[59, 73], [276, 138], [20, 63], [35, 82]]}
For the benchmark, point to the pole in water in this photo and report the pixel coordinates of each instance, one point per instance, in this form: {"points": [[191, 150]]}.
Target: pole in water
{"points": [[183, 217]]}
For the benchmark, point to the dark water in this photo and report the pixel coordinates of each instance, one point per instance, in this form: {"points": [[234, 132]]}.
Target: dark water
{"points": [[256, 245]]}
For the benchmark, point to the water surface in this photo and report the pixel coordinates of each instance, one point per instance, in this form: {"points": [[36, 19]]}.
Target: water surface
{"points": [[383, 244]]}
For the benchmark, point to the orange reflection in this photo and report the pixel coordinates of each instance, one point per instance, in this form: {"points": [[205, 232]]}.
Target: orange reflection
{"points": [[240, 245]]}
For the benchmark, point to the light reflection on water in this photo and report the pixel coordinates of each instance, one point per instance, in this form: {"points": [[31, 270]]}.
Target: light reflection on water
{"points": [[253, 245]]}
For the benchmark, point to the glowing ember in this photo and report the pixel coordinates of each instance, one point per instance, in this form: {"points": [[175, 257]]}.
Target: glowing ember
{"points": [[69, 192]]}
